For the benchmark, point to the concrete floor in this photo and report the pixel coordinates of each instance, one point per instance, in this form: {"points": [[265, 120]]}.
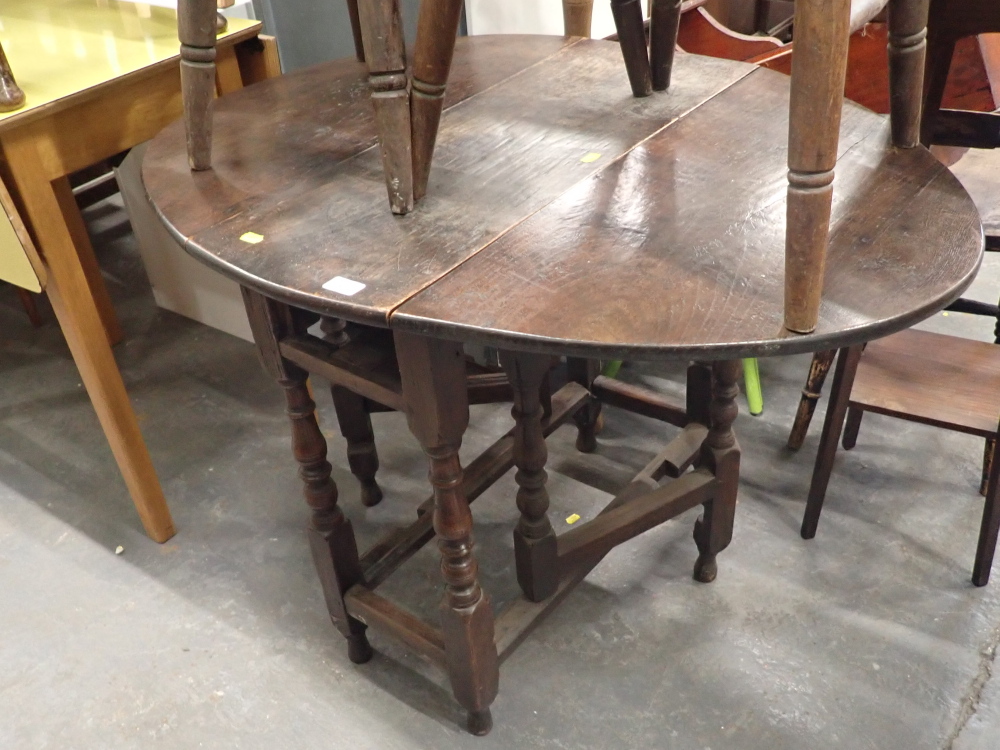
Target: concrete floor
{"points": [[869, 636]]}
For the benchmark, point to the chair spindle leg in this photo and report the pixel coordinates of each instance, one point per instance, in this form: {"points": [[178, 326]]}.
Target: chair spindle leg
{"points": [[196, 30], [632, 38], [907, 53], [664, 23], [577, 16], [818, 369], [359, 44]]}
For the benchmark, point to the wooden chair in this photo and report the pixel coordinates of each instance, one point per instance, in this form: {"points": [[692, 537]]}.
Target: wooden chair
{"points": [[11, 95], [938, 380], [950, 22]]}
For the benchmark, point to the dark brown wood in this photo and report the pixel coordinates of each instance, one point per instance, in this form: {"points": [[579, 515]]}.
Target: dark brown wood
{"points": [[354, 15], [535, 554], [196, 30], [11, 95], [356, 427], [577, 16], [907, 50], [632, 39], [965, 129], [820, 366], [364, 605], [385, 53], [843, 379], [851, 427], [433, 376], [437, 27], [585, 372], [990, 526], [819, 69], [664, 22], [721, 455], [599, 536], [699, 392], [683, 450], [30, 307], [638, 400]]}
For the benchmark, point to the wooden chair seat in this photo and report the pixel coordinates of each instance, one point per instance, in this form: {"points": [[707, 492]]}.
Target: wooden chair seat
{"points": [[939, 380]]}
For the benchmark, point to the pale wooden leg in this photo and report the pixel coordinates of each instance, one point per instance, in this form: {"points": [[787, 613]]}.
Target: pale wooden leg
{"points": [[385, 51], [227, 71], [535, 554], [437, 28], [196, 31], [88, 260], [577, 16], [11, 95], [713, 530], [664, 23], [819, 69], [434, 386], [907, 52], [74, 307]]}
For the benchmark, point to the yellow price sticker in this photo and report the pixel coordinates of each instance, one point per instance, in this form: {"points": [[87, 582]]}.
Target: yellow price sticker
{"points": [[591, 157], [252, 238], [573, 518]]}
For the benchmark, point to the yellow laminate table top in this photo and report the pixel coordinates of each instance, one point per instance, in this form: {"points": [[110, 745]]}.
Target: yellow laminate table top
{"points": [[61, 48]]}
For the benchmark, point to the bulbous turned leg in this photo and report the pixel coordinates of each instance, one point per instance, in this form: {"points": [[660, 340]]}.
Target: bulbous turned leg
{"points": [[11, 95], [434, 387], [356, 427], [331, 537], [535, 551], [721, 454]]}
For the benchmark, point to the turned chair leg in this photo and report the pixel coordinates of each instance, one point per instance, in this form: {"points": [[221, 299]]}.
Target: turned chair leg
{"points": [[721, 453], [632, 39], [907, 52], [356, 427], [196, 30], [818, 369], [990, 526], [434, 388], [577, 16], [385, 51], [664, 23], [437, 29], [535, 553], [851, 428], [359, 45], [989, 450], [843, 380], [819, 70], [584, 371], [11, 95]]}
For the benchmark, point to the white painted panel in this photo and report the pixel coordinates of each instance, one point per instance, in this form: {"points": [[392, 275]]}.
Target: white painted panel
{"points": [[530, 17]]}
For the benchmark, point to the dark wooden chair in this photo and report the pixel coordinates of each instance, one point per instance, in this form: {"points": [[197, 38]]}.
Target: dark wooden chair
{"points": [[950, 22], [11, 95], [938, 380]]}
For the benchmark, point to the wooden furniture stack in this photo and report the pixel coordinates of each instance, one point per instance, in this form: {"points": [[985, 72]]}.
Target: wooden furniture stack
{"points": [[551, 182]]}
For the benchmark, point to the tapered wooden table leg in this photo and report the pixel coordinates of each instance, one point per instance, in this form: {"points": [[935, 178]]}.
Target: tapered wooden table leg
{"points": [[535, 551], [356, 427], [721, 453], [584, 371], [434, 388], [907, 52]]}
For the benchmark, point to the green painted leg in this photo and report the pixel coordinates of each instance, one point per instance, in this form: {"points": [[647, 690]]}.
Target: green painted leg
{"points": [[751, 381], [611, 368]]}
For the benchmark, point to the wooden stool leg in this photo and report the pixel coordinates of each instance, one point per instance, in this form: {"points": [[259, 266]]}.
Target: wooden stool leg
{"points": [[843, 379], [577, 15], [434, 387], [819, 69], [359, 45], [11, 95], [535, 552], [437, 28], [818, 369], [196, 30], [30, 308], [990, 526], [721, 453], [989, 449], [583, 371], [356, 427], [907, 52], [664, 22], [632, 38], [385, 51], [854, 415], [331, 536]]}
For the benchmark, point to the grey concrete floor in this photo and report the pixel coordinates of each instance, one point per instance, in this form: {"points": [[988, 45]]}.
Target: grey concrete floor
{"points": [[869, 636]]}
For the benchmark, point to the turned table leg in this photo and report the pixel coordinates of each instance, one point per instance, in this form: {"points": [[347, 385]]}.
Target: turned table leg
{"points": [[331, 536], [584, 371], [535, 553], [356, 427], [721, 453], [434, 388]]}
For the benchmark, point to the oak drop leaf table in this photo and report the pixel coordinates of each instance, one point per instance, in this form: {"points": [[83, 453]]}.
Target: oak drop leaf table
{"points": [[564, 218]]}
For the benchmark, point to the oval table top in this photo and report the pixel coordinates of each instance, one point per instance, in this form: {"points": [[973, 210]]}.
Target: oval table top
{"points": [[563, 215]]}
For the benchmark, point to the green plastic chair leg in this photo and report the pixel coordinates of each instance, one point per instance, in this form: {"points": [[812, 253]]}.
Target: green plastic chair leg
{"points": [[751, 381], [611, 368]]}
